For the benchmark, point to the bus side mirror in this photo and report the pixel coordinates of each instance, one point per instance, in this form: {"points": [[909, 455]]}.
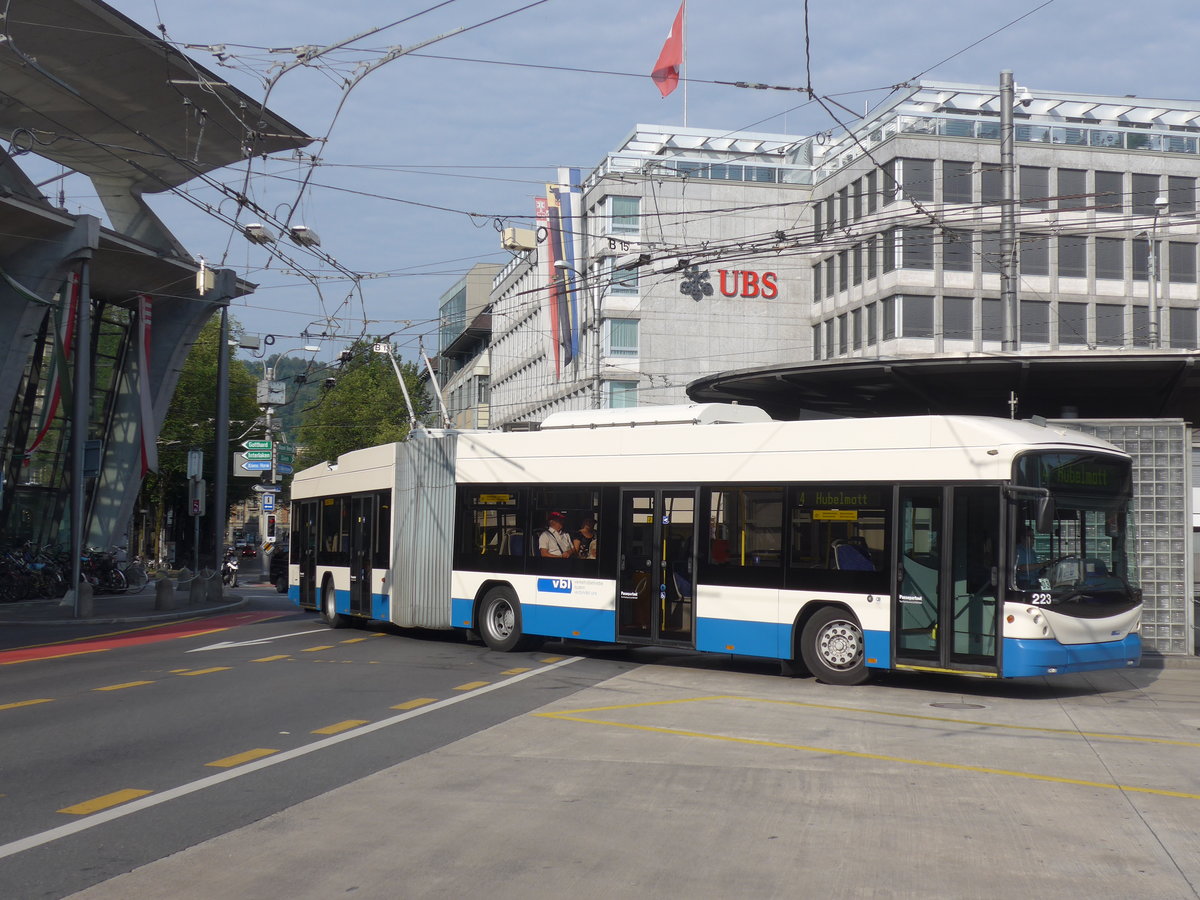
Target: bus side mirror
{"points": [[1046, 513]]}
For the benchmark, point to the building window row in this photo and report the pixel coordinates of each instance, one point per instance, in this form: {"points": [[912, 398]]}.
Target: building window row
{"points": [[968, 319], [720, 171], [988, 129], [960, 250], [1037, 187]]}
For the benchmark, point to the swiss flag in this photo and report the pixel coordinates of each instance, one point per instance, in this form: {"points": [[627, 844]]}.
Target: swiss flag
{"points": [[666, 70]]}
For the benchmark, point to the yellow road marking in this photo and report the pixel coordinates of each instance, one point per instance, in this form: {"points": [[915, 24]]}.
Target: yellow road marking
{"points": [[553, 659], [118, 687], [238, 759], [13, 662], [315, 649], [879, 757], [352, 641], [114, 799], [1099, 735], [20, 703], [471, 685], [413, 704], [1032, 728], [516, 671], [271, 658], [179, 671], [339, 727], [206, 671]]}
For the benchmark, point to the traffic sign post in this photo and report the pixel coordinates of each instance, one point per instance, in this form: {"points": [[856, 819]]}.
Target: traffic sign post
{"points": [[257, 445], [257, 454]]}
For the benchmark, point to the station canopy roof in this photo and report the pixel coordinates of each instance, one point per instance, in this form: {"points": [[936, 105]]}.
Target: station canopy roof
{"points": [[1093, 385], [88, 88]]}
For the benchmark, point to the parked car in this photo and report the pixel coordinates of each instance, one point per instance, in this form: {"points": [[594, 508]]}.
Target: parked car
{"points": [[279, 569]]}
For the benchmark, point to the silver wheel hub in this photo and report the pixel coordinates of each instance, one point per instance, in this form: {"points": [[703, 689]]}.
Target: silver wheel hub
{"points": [[840, 644], [502, 620]]}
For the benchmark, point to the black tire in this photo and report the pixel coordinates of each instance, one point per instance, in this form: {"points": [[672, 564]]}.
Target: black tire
{"points": [[281, 584], [500, 622], [328, 606], [831, 646]]}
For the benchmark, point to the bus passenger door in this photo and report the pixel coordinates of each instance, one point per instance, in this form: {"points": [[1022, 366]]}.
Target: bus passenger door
{"points": [[655, 593], [917, 594], [304, 550], [362, 520], [947, 578]]}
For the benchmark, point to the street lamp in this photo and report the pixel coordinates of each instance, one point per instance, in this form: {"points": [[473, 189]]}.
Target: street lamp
{"points": [[1160, 206], [593, 289]]}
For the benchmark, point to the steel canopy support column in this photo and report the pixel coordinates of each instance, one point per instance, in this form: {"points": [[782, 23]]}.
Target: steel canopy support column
{"points": [[89, 232]]}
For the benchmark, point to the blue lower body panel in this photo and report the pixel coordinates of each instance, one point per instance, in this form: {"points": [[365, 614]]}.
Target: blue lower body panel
{"points": [[769, 639], [551, 621], [1023, 658], [379, 605]]}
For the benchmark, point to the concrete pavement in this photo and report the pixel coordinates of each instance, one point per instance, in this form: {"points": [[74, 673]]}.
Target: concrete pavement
{"points": [[698, 781]]}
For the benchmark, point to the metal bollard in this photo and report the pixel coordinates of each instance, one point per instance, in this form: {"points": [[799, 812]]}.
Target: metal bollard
{"points": [[184, 579], [212, 589], [84, 605], [164, 593], [196, 591]]}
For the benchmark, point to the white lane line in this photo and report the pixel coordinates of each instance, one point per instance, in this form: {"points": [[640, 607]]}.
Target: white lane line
{"points": [[37, 840], [225, 645]]}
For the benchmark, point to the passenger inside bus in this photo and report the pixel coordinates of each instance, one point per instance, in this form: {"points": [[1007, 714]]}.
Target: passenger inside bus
{"points": [[554, 542], [586, 541]]}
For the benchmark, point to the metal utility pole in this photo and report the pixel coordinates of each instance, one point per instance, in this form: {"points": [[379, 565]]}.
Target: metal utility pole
{"points": [[1160, 204], [221, 444], [1008, 229]]}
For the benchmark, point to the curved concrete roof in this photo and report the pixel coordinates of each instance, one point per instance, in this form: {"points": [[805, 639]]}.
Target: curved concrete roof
{"points": [[1094, 385]]}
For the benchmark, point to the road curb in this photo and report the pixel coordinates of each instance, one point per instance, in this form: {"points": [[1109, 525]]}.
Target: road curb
{"points": [[125, 619]]}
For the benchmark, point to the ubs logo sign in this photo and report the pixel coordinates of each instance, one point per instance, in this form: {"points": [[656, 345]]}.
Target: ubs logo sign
{"points": [[734, 283]]}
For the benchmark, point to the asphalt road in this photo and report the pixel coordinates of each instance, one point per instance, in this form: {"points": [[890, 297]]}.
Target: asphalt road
{"points": [[156, 739], [313, 763]]}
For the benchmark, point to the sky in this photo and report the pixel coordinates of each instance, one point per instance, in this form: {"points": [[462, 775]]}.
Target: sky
{"points": [[429, 156]]}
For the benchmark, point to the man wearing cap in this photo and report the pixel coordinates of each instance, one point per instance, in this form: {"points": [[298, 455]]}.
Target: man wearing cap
{"points": [[554, 542]]}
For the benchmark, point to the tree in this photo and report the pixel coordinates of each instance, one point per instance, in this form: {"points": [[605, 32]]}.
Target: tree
{"points": [[362, 408], [189, 424]]}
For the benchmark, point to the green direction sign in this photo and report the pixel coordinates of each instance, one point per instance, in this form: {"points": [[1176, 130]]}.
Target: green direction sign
{"points": [[285, 457], [257, 445], [258, 454], [285, 448]]}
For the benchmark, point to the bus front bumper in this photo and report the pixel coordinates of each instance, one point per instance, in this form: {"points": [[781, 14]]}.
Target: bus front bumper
{"points": [[1024, 658]]}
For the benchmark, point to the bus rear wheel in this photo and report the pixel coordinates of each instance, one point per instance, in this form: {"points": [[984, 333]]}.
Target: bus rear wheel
{"points": [[832, 647], [500, 622], [329, 612]]}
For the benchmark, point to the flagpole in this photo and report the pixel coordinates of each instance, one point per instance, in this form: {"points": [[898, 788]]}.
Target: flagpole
{"points": [[683, 63]]}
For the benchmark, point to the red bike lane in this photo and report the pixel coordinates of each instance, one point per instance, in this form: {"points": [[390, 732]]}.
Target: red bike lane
{"points": [[134, 637]]}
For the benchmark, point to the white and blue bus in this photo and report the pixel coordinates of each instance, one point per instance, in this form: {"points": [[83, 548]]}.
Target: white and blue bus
{"points": [[953, 544]]}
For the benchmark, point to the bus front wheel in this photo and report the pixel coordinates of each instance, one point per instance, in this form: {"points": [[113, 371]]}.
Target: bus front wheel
{"points": [[329, 612], [832, 647], [500, 622]]}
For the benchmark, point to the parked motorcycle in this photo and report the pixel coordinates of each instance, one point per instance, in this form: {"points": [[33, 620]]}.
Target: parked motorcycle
{"points": [[229, 569]]}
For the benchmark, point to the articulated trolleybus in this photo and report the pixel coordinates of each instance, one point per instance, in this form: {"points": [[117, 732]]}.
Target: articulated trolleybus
{"points": [[953, 544]]}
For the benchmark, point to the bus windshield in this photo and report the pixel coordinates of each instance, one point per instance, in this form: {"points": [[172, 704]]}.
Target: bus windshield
{"points": [[1084, 553]]}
